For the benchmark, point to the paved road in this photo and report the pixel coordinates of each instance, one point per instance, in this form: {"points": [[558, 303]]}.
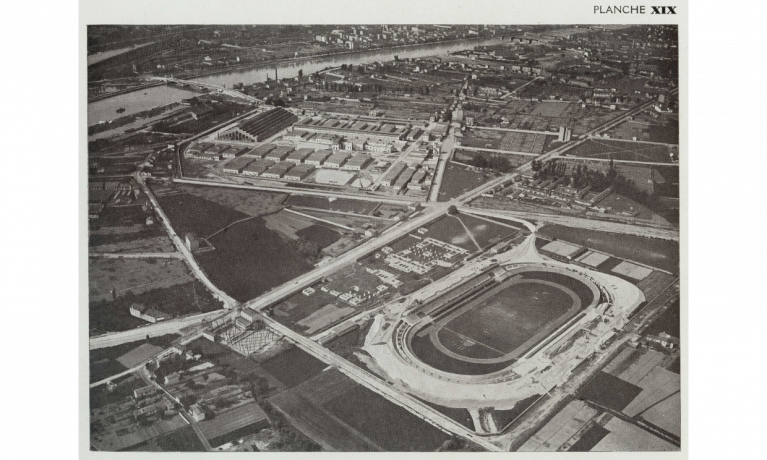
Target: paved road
{"points": [[580, 222], [137, 255], [171, 326], [299, 191], [229, 302]]}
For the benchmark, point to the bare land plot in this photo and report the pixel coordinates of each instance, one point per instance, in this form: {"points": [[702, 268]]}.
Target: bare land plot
{"points": [[154, 244]]}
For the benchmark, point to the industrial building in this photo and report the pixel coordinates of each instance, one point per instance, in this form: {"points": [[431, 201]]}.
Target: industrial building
{"points": [[393, 174], [260, 151], [256, 168], [318, 158], [259, 127], [357, 162], [196, 149], [234, 151], [299, 172], [279, 153], [403, 179], [237, 165], [278, 170], [299, 155], [336, 160]]}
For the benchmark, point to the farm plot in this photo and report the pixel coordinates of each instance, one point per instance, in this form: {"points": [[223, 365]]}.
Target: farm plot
{"points": [[148, 244], [626, 437], [610, 391], [624, 150], [523, 142], [550, 109], [385, 423], [653, 252], [293, 367], [120, 276], [303, 406], [565, 424]]}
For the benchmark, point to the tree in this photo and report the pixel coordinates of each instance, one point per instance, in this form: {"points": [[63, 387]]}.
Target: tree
{"points": [[452, 210], [300, 73]]}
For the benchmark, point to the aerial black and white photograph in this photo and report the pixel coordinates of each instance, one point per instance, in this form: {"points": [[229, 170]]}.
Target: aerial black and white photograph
{"points": [[384, 237]]}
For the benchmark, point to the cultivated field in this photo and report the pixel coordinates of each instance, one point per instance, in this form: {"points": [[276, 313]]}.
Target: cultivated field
{"points": [[624, 150], [293, 367], [663, 254], [385, 423]]}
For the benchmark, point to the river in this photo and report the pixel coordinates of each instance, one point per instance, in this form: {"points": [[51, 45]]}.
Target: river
{"points": [[137, 101]]}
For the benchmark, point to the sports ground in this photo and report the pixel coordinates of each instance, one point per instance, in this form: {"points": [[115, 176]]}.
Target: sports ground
{"points": [[488, 327]]}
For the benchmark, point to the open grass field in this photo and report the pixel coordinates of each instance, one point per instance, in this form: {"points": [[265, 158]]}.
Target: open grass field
{"points": [[139, 354], [180, 299], [624, 150], [182, 440], [190, 213], [287, 223], [610, 391], [340, 204], [293, 367], [550, 109], [663, 254], [121, 225], [321, 234], [244, 262], [458, 180], [486, 232], [385, 423], [133, 275], [250, 202]]}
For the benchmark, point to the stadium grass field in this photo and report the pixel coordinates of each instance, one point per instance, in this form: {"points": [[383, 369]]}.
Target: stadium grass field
{"points": [[489, 330]]}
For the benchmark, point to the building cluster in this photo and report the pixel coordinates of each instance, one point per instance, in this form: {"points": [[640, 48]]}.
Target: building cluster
{"points": [[558, 192], [350, 134], [423, 256]]}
